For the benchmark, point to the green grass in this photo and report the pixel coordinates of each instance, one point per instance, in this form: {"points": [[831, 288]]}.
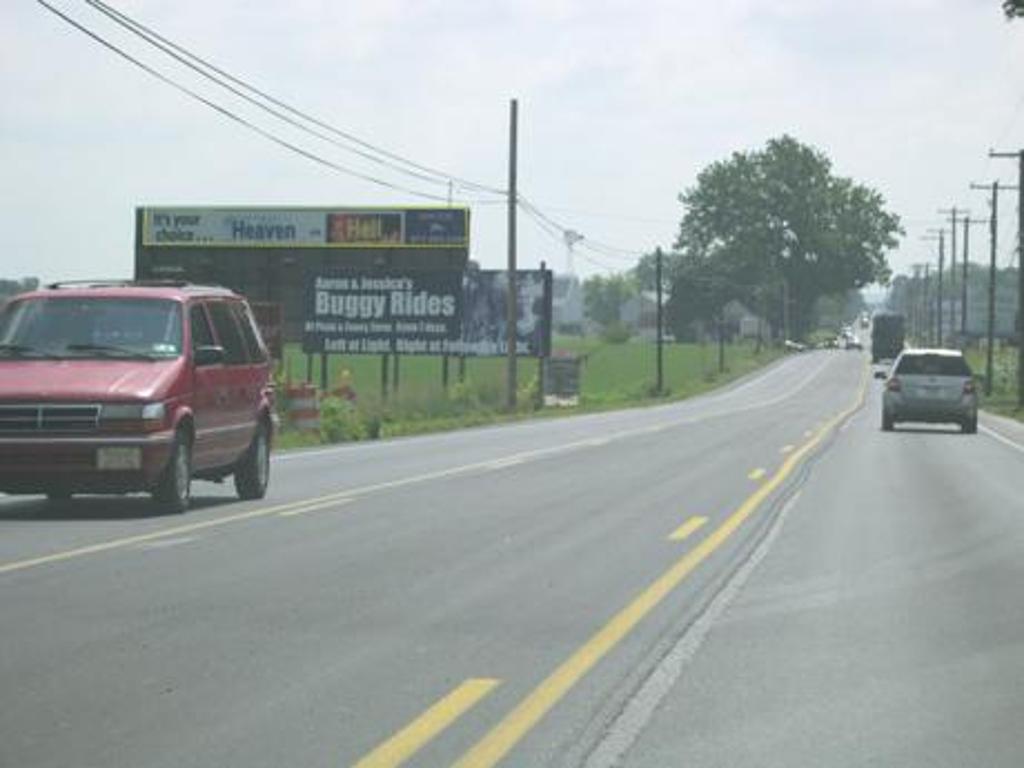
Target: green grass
{"points": [[1003, 399], [613, 376]]}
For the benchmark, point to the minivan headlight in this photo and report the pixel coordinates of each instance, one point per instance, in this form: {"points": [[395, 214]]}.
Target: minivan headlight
{"points": [[134, 416]]}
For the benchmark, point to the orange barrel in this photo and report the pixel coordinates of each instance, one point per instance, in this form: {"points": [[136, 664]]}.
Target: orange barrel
{"points": [[303, 409]]}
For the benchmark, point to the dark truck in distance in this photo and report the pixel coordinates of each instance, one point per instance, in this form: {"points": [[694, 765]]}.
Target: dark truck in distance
{"points": [[886, 336]]}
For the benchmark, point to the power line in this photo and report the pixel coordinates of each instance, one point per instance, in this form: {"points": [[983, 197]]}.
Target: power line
{"points": [[215, 73], [224, 111]]}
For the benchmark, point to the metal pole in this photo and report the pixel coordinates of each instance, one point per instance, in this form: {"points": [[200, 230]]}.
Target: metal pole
{"points": [[309, 368], [952, 273], [963, 283], [384, 377], [324, 373], [929, 314], [942, 261], [444, 372], [658, 319], [993, 242], [513, 314], [1020, 280], [1019, 154], [544, 334], [394, 374], [721, 339]]}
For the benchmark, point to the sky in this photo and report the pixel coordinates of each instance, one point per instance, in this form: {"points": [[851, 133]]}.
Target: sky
{"points": [[621, 104]]}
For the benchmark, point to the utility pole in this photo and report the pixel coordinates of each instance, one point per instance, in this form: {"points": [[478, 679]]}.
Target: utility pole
{"points": [[964, 264], [512, 318], [952, 264], [1020, 270], [993, 222], [928, 303], [657, 275], [940, 235]]}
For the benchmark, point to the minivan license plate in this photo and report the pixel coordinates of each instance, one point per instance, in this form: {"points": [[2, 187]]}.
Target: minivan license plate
{"points": [[119, 458]]}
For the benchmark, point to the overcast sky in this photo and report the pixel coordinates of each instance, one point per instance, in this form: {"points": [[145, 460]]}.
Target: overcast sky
{"points": [[621, 104]]}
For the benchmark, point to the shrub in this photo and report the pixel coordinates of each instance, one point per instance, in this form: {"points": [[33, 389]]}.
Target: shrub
{"points": [[340, 422], [616, 333]]}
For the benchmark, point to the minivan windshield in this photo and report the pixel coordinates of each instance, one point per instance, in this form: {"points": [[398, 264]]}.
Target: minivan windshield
{"points": [[933, 365], [100, 327]]}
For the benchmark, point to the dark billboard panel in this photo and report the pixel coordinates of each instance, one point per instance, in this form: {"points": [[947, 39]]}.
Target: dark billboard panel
{"points": [[410, 313], [485, 313]]}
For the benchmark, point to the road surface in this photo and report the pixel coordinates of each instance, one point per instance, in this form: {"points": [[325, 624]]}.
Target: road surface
{"points": [[759, 576]]}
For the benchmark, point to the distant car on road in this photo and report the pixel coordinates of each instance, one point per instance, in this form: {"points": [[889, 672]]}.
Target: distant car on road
{"points": [[930, 385], [123, 387]]}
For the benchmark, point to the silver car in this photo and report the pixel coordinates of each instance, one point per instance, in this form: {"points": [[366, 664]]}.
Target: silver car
{"points": [[933, 385]]}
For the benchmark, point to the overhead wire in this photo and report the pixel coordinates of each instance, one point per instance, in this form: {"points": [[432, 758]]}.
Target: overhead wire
{"points": [[283, 110], [234, 117]]}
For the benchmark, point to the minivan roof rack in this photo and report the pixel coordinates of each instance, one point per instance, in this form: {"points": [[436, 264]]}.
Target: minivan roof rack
{"points": [[129, 283]]}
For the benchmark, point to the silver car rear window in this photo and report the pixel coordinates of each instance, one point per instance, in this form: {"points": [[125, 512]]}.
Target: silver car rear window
{"points": [[933, 365]]}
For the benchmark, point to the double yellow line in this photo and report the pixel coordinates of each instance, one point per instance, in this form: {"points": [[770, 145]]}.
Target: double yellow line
{"points": [[517, 723]]}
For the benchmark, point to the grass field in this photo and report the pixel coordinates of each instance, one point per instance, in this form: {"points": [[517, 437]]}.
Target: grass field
{"points": [[1003, 399], [612, 375]]}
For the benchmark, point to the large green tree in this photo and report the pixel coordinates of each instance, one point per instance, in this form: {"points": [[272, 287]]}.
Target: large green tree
{"points": [[1013, 8], [777, 221]]}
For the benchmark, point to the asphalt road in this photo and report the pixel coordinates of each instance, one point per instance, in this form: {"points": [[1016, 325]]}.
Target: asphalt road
{"points": [[758, 576]]}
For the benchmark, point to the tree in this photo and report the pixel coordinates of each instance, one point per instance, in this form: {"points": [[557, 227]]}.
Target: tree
{"points": [[1013, 8], [778, 218], [603, 297]]}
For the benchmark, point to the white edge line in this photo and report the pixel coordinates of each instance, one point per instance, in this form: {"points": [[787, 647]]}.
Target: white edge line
{"points": [[633, 719], [1004, 440]]}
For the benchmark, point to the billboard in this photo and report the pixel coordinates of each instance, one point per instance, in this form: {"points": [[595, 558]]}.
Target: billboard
{"points": [[306, 227], [485, 314], [414, 312]]}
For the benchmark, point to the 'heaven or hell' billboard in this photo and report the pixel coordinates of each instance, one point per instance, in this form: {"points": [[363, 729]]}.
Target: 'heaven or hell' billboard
{"points": [[306, 227], [410, 313]]}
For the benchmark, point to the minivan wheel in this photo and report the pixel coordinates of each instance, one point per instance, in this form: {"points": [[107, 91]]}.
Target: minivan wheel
{"points": [[887, 423], [969, 426], [174, 490], [253, 473]]}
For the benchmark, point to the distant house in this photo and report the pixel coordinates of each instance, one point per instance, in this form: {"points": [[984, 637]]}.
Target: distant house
{"points": [[567, 303], [640, 313], [741, 323]]}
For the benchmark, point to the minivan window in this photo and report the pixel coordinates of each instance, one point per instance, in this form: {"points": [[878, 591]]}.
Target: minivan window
{"points": [[202, 336], [933, 365], [91, 327], [228, 333], [252, 342]]}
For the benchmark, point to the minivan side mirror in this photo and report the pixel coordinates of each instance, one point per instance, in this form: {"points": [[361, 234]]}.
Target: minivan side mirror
{"points": [[880, 374], [208, 355]]}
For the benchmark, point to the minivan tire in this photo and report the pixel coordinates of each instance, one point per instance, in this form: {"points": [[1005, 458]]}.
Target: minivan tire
{"points": [[173, 492], [252, 476], [887, 423], [970, 426]]}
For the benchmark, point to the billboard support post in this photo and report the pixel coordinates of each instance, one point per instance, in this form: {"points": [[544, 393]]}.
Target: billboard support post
{"points": [[383, 377], [324, 374], [394, 374], [444, 372], [309, 368]]}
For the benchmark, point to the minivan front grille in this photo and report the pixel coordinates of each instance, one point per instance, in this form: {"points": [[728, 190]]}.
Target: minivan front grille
{"points": [[48, 417]]}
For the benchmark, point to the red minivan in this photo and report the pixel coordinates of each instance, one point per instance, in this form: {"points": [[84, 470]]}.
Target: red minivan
{"points": [[121, 387]]}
